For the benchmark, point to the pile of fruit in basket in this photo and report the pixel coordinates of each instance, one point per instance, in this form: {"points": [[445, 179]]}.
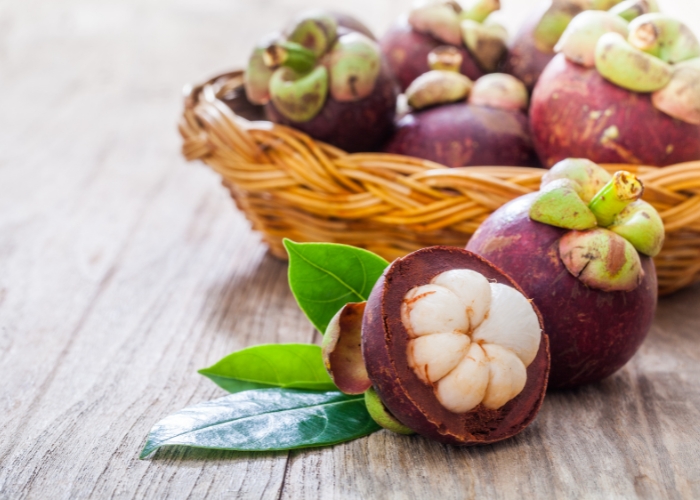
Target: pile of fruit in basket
{"points": [[611, 81], [556, 289]]}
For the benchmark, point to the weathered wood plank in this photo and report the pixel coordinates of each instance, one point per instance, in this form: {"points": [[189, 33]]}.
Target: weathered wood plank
{"points": [[123, 270]]}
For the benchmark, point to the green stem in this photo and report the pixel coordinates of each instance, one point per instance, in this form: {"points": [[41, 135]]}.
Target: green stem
{"points": [[291, 55], [623, 189]]}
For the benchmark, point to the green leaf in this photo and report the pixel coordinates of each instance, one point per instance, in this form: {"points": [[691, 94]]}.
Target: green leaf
{"points": [[294, 366], [326, 276], [265, 420]]}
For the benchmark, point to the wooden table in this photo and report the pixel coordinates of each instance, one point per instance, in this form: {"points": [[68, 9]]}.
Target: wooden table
{"points": [[123, 270]]}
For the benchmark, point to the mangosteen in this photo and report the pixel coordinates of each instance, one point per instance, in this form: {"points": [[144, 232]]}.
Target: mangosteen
{"points": [[582, 249], [481, 42], [620, 92], [325, 79], [447, 346], [534, 45], [457, 122]]}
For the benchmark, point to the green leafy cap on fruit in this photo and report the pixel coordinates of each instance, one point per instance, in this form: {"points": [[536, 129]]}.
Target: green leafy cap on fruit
{"points": [[600, 210], [439, 19], [631, 9], [479, 10], [381, 414], [298, 71], [342, 351], [601, 259], [500, 90], [681, 97], [553, 23], [589, 177], [641, 225], [559, 204], [628, 67], [664, 37], [439, 86], [488, 43], [315, 30], [298, 96], [257, 74], [578, 43], [354, 64]]}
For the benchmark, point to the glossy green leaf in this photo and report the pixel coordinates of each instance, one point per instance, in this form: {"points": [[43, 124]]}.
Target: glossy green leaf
{"points": [[325, 276], [265, 420], [295, 366]]}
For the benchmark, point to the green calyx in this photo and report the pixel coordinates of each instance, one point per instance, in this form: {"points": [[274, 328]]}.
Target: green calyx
{"points": [[439, 20], [641, 225], [488, 43], [560, 205], [500, 90], [479, 10], [588, 177], [553, 24], [631, 9], [609, 223], [314, 30], [354, 63], [602, 260], [681, 97], [298, 96], [628, 67], [579, 41], [664, 37], [443, 84], [382, 415], [257, 74]]}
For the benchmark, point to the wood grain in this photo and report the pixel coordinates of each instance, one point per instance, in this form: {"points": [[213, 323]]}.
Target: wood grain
{"points": [[124, 269]]}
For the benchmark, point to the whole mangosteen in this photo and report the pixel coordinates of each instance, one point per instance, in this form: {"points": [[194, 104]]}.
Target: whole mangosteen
{"points": [[447, 346], [534, 45], [326, 80], [582, 249], [481, 43], [457, 122], [620, 93]]}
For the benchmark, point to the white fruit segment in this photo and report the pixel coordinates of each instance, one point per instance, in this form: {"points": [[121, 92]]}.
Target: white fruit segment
{"points": [[433, 309], [471, 339], [507, 376], [512, 323], [472, 288], [465, 386], [434, 356]]}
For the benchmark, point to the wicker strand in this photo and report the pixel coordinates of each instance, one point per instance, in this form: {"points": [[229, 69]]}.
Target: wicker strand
{"points": [[290, 186]]}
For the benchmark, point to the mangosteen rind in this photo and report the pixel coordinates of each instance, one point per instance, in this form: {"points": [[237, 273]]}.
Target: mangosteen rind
{"points": [[410, 399]]}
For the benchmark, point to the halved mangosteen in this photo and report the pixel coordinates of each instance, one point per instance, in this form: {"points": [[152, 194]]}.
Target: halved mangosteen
{"points": [[452, 349]]}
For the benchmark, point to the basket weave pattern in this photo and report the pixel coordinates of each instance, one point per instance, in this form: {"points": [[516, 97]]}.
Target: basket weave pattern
{"points": [[289, 185]]}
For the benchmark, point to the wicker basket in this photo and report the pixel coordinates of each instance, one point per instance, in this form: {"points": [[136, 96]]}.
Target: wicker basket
{"points": [[289, 185]]}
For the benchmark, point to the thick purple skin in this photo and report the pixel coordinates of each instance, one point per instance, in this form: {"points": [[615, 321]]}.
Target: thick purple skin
{"points": [[410, 400], [572, 107], [407, 52], [592, 333], [362, 125], [461, 134], [525, 61]]}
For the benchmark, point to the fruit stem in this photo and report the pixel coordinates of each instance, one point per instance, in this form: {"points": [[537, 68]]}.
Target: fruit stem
{"points": [[623, 189], [291, 55], [445, 58]]}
